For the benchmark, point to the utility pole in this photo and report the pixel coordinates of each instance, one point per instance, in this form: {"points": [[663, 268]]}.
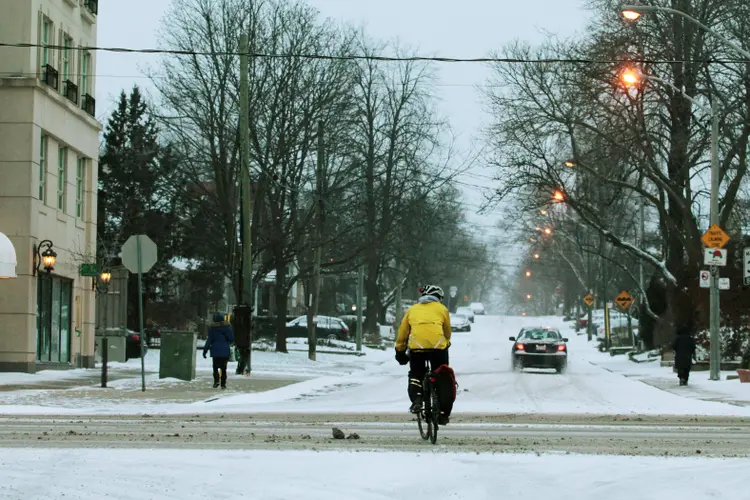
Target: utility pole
{"points": [[247, 197], [715, 364], [320, 212], [641, 243], [360, 301]]}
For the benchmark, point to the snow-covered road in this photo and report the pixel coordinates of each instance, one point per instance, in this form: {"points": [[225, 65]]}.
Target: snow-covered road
{"points": [[488, 384]]}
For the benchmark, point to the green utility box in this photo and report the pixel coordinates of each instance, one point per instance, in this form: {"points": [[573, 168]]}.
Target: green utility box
{"points": [[178, 355], [116, 348]]}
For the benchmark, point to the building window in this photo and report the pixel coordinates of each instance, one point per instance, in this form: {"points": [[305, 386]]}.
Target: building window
{"points": [[67, 49], [46, 34], [62, 176], [85, 68], [80, 186], [43, 169], [53, 323]]}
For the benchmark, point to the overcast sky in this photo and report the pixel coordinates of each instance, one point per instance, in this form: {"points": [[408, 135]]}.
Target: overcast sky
{"points": [[465, 29]]}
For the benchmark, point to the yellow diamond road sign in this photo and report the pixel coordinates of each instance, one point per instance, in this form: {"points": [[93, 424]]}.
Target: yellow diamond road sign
{"points": [[715, 237], [589, 300], [624, 299]]}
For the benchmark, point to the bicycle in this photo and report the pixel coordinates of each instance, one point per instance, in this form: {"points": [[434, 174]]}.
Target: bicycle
{"points": [[430, 408]]}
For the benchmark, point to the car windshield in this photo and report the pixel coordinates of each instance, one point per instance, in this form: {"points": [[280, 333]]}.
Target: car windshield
{"points": [[459, 317], [463, 310], [541, 335]]}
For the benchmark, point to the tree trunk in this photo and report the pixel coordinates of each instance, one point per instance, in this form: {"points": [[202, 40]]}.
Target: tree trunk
{"points": [[281, 296], [372, 292]]}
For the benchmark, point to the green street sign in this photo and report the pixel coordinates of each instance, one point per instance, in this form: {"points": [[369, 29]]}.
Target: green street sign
{"points": [[89, 270]]}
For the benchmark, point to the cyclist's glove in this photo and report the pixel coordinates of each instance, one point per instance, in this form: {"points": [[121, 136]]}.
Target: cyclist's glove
{"points": [[402, 357]]}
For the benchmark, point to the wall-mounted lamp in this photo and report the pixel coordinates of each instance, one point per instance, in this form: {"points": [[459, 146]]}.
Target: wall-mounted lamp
{"points": [[46, 258], [100, 283]]}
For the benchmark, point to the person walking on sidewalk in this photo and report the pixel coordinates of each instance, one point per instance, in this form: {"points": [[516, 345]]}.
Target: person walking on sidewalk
{"points": [[220, 337], [684, 353], [243, 335]]}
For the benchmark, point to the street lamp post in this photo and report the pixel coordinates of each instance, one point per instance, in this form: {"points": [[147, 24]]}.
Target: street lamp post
{"points": [[633, 78], [633, 12]]}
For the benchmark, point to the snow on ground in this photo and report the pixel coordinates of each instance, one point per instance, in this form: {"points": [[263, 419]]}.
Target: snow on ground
{"points": [[700, 386], [376, 383], [487, 384], [280, 475], [45, 376]]}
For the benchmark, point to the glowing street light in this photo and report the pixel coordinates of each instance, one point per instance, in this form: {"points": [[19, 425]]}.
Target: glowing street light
{"points": [[538, 228], [569, 164], [559, 196], [631, 15], [528, 296], [543, 212], [547, 230], [528, 274], [631, 77], [536, 256]]}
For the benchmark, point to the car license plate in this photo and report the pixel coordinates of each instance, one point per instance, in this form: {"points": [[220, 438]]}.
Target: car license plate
{"points": [[541, 347]]}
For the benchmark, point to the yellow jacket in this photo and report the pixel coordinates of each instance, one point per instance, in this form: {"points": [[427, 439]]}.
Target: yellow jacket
{"points": [[426, 325]]}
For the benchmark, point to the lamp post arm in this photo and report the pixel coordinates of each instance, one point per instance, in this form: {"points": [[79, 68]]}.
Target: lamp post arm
{"points": [[656, 8]]}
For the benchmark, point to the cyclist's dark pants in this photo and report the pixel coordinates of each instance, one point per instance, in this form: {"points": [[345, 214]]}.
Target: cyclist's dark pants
{"points": [[417, 369]]}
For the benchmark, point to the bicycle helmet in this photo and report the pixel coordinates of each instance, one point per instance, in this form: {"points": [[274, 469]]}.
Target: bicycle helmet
{"points": [[433, 290]]}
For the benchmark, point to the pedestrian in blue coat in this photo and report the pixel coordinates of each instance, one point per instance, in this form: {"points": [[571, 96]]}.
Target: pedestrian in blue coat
{"points": [[220, 337]]}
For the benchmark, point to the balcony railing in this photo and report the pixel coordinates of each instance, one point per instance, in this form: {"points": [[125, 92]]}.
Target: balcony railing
{"points": [[51, 77], [89, 104], [71, 91], [92, 6]]}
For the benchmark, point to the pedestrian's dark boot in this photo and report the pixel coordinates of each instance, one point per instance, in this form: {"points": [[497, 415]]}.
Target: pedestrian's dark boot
{"points": [[683, 382], [443, 419]]}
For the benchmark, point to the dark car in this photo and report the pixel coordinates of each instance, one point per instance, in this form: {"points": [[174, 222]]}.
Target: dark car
{"points": [[133, 345], [327, 328], [540, 347]]}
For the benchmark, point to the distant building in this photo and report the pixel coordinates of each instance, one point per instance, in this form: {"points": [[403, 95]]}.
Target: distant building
{"points": [[49, 143]]}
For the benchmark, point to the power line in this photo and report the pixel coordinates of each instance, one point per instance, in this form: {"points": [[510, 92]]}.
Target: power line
{"points": [[484, 60]]}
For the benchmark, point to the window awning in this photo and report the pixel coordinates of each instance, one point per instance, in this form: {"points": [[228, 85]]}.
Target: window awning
{"points": [[7, 258]]}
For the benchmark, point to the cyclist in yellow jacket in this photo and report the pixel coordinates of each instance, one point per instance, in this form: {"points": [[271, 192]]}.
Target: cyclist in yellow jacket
{"points": [[426, 332]]}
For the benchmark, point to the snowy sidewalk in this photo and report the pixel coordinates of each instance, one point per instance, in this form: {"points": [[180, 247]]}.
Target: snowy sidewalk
{"points": [[64, 391], [651, 373]]}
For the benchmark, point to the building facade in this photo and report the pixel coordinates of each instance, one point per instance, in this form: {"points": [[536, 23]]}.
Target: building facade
{"points": [[49, 147]]}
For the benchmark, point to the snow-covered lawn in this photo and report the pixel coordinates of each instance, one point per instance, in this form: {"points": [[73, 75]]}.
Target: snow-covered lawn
{"points": [[89, 474]]}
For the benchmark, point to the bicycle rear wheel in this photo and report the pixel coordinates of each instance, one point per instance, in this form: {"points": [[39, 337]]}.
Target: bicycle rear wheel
{"points": [[434, 413]]}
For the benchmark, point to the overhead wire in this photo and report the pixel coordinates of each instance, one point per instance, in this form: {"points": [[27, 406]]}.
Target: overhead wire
{"points": [[363, 57]]}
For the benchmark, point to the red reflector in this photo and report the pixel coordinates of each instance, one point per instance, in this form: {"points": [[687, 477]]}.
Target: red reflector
{"points": [[135, 337], [432, 379]]}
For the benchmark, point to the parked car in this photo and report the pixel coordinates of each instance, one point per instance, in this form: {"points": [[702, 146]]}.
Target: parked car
{"points": [[327, 328], [477, 307], [539, 347], [466, 311], [460, 323], [133, 345]]}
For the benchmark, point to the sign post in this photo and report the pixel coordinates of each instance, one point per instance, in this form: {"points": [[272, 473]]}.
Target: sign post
{"points": [[746, 266], [589, 300], [139, 255], [715, 238], [625, 300]]}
